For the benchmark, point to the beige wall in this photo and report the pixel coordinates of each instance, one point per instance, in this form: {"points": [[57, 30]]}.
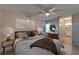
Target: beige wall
{"points": [[0, 24], [9, 19], [39, 22]]}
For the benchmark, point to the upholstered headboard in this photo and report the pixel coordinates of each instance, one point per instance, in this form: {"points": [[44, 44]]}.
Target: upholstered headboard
{"points": [[17, 32]]}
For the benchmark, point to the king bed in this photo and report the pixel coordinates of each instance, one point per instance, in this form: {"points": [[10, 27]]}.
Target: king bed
{"points": [[33, 44]]}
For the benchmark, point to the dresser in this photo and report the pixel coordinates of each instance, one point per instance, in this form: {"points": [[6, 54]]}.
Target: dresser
{"points": [[53, 35]]}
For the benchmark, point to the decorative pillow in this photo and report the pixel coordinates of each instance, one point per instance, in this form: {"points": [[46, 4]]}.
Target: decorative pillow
{"points": [[34, 33], [25, 36], [19, 35], [29, 33]]}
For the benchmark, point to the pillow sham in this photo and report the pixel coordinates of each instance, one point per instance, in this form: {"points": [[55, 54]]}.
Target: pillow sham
{"points": [[29, 33]]}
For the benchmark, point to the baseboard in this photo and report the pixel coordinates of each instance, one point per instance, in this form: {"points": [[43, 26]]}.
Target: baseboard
{"points": [[76, 44]]}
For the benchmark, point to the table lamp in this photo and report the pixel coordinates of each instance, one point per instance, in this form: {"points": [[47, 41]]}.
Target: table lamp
{"points": [[8, 31]]}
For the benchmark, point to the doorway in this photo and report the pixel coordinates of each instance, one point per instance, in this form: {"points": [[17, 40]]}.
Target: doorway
{"points": [[66, 29]]}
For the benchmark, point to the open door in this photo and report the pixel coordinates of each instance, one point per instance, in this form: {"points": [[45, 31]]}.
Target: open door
{"points": [[66, 29]]}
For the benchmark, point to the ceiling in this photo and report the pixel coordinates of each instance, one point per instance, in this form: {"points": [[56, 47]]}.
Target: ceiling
{"points": [[33, 9]]}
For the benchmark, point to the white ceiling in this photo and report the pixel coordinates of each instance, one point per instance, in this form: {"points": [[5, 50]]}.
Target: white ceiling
{"points": [[32, 9]]}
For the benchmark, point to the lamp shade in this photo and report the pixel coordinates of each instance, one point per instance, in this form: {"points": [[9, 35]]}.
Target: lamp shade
{"points": [[8, 31], [40, 29]]}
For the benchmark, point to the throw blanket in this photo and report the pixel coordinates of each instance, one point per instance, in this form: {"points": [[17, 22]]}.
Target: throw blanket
{"points": [[45, 44]]}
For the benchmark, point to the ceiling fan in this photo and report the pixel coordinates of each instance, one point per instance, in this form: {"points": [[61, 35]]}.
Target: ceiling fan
{"points": [[48, 12]]}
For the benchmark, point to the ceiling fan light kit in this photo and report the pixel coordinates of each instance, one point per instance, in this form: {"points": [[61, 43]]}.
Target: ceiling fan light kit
{"points": [[47, 14]]}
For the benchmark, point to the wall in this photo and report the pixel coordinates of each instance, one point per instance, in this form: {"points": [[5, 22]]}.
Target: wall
{"points": [[39, 22], [17, 22], [9, 19], [0, 24], [75, 29], [56, 22]]}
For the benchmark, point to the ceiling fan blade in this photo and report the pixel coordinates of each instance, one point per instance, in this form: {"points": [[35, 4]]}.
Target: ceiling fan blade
{"points": [[42, 12], [38, 13], [60, 10], [53, 13], [52, 9]]}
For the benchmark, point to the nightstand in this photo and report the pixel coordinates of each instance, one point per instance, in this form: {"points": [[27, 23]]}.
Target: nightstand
{"points": [[6, 44]]}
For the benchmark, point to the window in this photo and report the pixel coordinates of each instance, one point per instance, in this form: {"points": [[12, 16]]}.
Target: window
{"points": [[47, 27]]}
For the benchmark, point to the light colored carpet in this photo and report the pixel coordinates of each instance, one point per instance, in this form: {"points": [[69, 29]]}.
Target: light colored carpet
{"points": [[8, 51], [68, 50]]}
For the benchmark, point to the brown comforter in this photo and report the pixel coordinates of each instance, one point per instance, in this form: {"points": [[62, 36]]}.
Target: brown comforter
{"points": [[45, 44]]}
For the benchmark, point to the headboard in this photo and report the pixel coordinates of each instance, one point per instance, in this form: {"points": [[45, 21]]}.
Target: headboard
{"points": [[24, 32]]}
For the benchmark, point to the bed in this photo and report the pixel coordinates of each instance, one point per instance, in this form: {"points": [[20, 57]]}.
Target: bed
{"points": [[35, 45]]}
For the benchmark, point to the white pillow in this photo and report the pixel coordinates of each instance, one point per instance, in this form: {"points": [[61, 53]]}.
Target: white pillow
{"points": [[58, 44]]}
